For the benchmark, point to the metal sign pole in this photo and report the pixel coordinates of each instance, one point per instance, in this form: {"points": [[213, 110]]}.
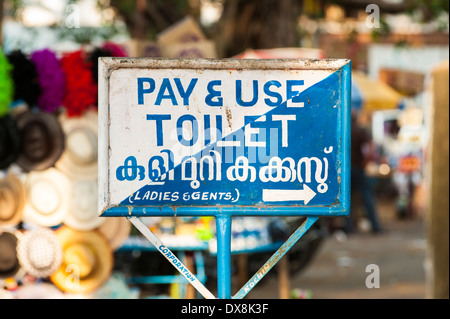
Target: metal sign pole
{"points": [[223, 230]]}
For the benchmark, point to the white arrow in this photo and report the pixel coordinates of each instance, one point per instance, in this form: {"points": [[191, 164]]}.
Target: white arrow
{"points": [[283, 195]]}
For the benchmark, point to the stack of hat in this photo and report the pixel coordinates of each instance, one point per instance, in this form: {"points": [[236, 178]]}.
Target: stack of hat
{"points": [[55, 196], [50, 232], [74, 261], [79, 163]]}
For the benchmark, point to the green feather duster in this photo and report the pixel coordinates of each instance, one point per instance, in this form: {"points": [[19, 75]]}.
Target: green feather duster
{"points": [[6, 84]]}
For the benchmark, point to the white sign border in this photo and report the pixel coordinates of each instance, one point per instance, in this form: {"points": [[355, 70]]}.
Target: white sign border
{"points": [[108, 64]]}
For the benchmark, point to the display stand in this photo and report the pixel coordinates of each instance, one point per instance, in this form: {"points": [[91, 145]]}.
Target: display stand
{"points": [[223, 259]]}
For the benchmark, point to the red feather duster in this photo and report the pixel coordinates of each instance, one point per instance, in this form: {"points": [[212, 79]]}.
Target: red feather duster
{"points": [[81, 89]]}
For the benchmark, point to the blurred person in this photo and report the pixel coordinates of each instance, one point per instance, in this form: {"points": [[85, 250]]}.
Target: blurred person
{"points": [[361, 149]]}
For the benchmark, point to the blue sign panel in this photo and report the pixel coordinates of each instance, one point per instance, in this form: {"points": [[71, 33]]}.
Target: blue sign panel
{"points": [[239, 137]]}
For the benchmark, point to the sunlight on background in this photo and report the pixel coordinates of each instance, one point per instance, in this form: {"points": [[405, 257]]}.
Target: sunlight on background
{"points": [[47, 12]]}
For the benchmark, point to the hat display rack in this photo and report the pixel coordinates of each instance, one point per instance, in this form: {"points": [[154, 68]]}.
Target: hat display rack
{"points": [[49, 227], [53, 244]]}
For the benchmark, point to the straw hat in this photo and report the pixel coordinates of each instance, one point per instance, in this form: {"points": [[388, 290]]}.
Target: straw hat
{"points": [[39, 252], [87, 261], [42, 140], [9, 141], [82, 214], [79, 159], [9, 262], [48, 197], [116, 230], [12, 200]]}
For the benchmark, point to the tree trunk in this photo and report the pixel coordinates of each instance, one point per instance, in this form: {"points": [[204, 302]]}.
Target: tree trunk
{"points": [[257, 24], [146, 18]]}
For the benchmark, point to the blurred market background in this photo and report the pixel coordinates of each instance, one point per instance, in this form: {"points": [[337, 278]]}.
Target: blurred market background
{"points": [[53, 244]]}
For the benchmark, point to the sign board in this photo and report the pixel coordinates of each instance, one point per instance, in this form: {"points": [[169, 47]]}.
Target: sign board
{"points": [[240, 137]]}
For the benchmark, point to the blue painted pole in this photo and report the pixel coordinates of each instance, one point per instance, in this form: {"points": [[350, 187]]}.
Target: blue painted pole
{"points": [[223, 231]]}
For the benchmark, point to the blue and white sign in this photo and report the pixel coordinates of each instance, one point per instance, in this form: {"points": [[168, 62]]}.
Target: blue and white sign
{"points": [[244, 137]]}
